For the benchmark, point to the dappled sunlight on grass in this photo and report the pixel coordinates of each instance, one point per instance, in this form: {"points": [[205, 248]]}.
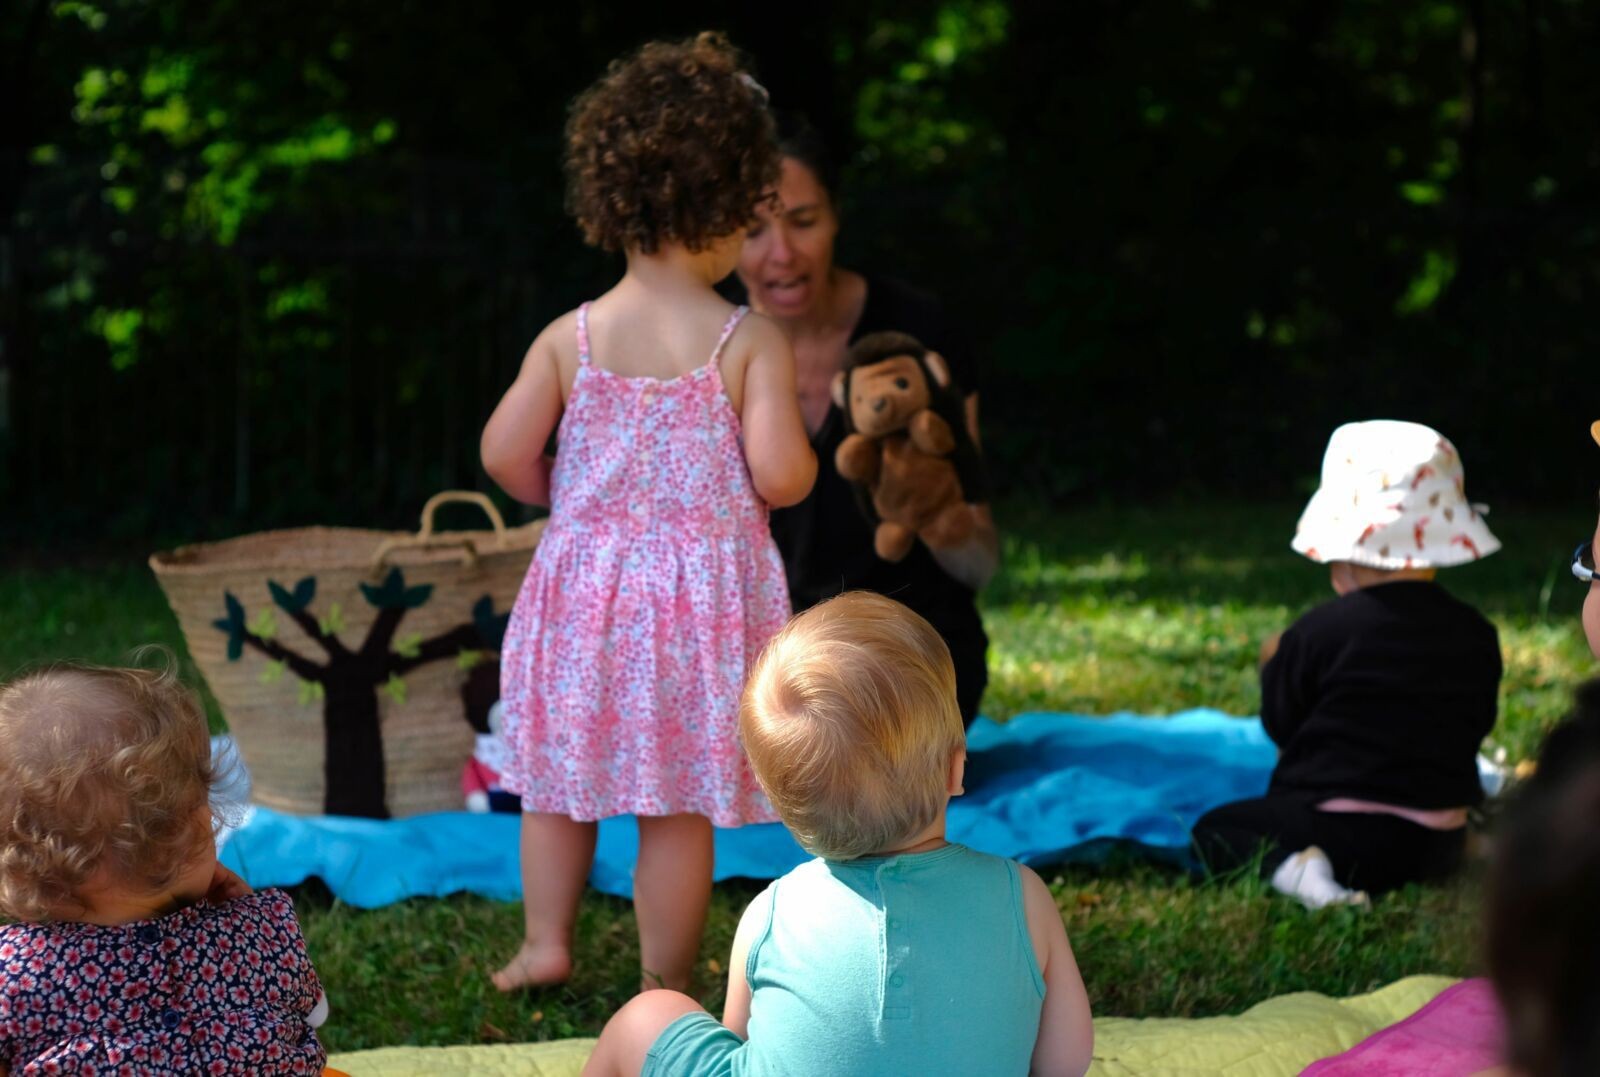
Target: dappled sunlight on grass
{"points": [[1150, 609], [1203, 946], [1157, 610]]}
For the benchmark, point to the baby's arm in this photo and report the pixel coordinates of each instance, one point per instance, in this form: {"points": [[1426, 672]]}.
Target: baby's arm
{"points": [[776, 447], [515, 436], [736, 1010], [1066, 1030]]}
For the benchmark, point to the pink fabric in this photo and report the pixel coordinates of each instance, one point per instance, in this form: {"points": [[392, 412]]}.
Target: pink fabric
{"points": [[654, 587], [1433, 819], [1457, 1034]]}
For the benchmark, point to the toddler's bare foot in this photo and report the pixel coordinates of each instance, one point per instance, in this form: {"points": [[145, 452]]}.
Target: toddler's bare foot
{"points": [[535, 966]]}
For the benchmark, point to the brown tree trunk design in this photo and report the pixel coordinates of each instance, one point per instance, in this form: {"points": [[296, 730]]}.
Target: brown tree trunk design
{"points": [[353, 768]]}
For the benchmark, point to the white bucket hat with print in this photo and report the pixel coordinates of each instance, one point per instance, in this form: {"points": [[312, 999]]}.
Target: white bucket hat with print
{"points": [[1393, 495]]}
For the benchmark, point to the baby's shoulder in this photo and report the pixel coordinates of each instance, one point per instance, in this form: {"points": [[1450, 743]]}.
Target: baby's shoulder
{"points": [[1338, 616], [269, 914]]}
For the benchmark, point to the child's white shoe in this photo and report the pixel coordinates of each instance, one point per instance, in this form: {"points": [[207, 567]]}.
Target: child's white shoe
{"points": [[1307, 876]]}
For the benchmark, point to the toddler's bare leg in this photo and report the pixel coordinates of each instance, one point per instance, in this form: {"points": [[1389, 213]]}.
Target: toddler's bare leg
{"points": [[556, 854], [631, 1031], [671, 890]]}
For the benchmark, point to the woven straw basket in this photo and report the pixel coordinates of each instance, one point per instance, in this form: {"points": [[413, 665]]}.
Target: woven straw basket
{"points": [[349, 663]]}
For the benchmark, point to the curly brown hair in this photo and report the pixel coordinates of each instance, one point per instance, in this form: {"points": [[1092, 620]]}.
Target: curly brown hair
{"points": [[673, 145], [99, 768]]}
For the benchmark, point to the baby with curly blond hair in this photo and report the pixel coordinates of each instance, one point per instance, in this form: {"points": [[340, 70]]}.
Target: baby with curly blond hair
{"points": [[132, 949]]}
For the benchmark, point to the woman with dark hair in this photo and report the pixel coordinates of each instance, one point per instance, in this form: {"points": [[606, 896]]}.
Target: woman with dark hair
{"points": [[788, 274]]}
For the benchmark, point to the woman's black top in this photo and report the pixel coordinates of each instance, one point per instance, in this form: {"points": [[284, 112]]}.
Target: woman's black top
{"points": [[826, 541], [1384, 695]]}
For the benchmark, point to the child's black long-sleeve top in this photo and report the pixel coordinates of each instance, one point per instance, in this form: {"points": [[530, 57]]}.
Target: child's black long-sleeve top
{"points": [[1384, 694]]}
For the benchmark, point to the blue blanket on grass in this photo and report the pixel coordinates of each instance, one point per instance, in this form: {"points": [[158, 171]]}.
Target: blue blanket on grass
{"points": [[1041, 788]]}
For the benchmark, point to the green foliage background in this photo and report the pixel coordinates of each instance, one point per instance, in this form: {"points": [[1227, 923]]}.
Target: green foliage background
{"points": [[268, 263]]}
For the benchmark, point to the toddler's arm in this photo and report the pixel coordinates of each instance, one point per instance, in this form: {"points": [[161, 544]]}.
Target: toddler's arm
{"points": [[776, 448], [736, 1009], [1066, 1030], [515, 436]]}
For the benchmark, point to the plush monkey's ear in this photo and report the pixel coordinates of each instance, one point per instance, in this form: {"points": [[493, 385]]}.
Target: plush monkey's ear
{"points": [[938, 368], [840, 380]]}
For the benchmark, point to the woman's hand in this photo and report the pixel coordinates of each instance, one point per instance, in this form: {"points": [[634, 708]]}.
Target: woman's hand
{"points": [[974, 562]]}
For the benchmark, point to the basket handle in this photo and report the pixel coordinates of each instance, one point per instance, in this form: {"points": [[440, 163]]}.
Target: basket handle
{"points": [[426, 539]]}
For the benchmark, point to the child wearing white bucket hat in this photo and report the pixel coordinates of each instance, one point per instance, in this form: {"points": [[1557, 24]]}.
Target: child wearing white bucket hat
{"points": [[1377, 700]]}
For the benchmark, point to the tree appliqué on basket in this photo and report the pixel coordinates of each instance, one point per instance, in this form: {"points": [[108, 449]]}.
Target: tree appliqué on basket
{"points": [[348, 680]]}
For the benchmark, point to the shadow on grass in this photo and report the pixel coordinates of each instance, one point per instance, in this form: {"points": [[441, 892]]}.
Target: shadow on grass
{"points": [[1238, 555]]}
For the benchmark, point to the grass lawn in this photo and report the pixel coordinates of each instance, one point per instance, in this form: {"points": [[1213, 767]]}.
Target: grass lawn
{"points": [[1151, 609]]}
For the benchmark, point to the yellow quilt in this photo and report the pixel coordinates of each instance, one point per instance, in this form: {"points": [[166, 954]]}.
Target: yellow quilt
{"points": [[1277, 1038]]}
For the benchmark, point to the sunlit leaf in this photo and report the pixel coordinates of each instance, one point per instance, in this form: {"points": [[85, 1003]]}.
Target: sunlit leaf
{"points": [[333, 622], [1422, 194], [1438, 269], [265, 624]]}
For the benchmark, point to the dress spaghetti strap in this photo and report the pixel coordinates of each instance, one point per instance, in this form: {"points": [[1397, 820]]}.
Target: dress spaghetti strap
{"points": [[727, 331], [583, 334]]}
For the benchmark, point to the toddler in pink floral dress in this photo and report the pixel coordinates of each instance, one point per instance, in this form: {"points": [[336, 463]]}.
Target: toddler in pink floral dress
{"points": [[656, 582]]}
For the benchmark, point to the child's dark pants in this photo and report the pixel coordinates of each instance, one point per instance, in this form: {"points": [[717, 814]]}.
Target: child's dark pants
{"points": [[1370, 851]]}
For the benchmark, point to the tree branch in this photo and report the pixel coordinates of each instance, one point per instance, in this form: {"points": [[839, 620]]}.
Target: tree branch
{"points": [[303, 668], [458, 639], [327, 641], [381, 634]]}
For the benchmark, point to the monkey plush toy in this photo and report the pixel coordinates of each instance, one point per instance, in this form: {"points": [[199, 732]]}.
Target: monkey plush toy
{"points": [[905, 437]]}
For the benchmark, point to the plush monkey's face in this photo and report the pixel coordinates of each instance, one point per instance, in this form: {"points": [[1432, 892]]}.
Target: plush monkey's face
{"points": [[884, 395]]}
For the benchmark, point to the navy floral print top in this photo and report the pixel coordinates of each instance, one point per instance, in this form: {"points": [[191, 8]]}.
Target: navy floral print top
{"points": [[224, 989]]}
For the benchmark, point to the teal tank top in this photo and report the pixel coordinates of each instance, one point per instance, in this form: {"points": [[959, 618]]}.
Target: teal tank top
{"points": [[917, 964]]}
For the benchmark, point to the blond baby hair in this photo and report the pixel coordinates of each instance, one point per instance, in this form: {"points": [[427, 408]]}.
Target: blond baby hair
{"points": [[850, 722]]}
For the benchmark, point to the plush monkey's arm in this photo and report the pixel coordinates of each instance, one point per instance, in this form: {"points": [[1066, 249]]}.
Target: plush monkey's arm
{"points": [[930, 433], [858, 458]]}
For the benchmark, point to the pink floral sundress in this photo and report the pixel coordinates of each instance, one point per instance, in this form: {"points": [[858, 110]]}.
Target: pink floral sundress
{"points": [[654, 587]]}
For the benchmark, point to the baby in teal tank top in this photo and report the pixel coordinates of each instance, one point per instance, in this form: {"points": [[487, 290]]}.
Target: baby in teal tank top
{"points": [[894, 951]]}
